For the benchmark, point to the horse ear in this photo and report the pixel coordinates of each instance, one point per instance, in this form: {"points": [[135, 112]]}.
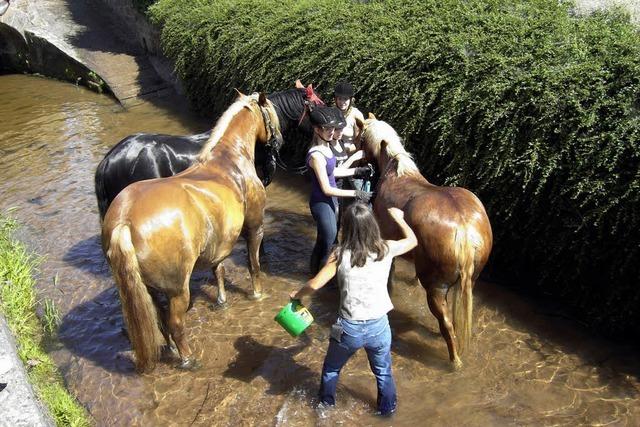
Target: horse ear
{"points": [[299, 84], [360, 124], [240, 94], [383, 145], [372, 117], [262, 99]]}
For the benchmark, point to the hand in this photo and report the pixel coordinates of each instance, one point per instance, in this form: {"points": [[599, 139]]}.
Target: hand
{"points": [[396, 214], [294, 295], [363, 196], [363, 172]]}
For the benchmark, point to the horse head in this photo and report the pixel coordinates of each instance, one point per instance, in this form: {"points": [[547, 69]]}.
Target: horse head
{"points": [[293, 105], [274, 138], [382, 145]]}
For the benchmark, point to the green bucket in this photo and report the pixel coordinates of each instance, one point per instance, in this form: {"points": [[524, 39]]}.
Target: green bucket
{"points": [[294, 318]]}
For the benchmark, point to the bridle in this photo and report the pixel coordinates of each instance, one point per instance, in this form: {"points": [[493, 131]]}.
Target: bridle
{"points": [[309, 104], [272, 146]]}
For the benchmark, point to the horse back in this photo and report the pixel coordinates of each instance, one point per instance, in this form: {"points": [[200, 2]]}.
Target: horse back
{"points": [[174, 222], [437, 215], [143, 156]]}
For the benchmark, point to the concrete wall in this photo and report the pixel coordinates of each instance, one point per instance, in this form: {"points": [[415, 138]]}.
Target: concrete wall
{"points": [[147, 37], [27, 46]]}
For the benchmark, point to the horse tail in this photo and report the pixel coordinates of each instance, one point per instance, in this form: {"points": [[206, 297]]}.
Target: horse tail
{"points": [[101, 191], [466, 241], [139, 310]]}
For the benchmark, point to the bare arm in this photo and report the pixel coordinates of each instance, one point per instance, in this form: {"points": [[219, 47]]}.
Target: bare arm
{"points": [[319, 164], [358, 116], [343, 171], [409, 241], [322, 278], [358, 155]]}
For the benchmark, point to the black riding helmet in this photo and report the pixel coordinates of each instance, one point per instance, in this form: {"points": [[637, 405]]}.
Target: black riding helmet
{"points": [[343, 89], [341, 122], [323, 117]]}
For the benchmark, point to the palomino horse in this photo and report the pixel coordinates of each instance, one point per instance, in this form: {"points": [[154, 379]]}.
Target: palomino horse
{"points": [[156, 230], [147, 155], [452, 227]]}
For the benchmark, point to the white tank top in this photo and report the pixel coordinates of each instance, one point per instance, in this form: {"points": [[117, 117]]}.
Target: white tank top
{"points": [[349, 132], [363, 290]]}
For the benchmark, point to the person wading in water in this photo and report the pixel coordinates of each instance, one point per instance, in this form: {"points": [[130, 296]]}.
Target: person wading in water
{"points": [[324, 193], [361, 263]]}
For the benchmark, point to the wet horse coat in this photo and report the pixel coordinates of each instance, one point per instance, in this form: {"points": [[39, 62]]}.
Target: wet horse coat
{"points": [[452, 227], [156, 230], [146, 156]]}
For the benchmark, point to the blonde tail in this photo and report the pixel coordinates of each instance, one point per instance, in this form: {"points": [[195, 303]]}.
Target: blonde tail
{"points": [[463, 290], [139, 310]]}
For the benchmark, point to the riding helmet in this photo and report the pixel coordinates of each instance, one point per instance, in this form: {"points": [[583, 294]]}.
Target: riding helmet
{"points": [[341, 122], [343, 89], [323, 117]]}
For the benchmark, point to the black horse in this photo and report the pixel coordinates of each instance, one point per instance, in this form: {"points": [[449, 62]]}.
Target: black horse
{"points": [[146, 156]]}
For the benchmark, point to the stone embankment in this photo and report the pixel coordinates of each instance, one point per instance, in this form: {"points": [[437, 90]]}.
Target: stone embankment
{"points": [[105, 45], [18, 404]]}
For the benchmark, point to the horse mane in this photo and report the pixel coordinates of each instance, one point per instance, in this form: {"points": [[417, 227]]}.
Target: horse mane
{"points": [[290, 102], [223, 122], [377, 131]]}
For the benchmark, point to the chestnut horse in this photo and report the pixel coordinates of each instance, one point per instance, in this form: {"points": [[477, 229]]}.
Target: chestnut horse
{"points": [[148, 155], [452, 227], [156, 230]]}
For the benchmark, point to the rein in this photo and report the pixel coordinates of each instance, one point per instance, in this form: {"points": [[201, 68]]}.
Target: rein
{"points": [[300, 170]]}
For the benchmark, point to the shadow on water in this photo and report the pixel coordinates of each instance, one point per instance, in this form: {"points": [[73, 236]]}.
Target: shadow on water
{"points": [[274, 364], [548, 326], [420, 348], [94, 330], [86, 255]]}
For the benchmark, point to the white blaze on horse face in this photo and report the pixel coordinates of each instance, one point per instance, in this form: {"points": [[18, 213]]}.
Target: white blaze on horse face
{"points": [[342, 102]]}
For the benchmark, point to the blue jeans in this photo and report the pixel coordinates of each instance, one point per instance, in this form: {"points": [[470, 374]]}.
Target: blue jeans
{"points": [[327, 226], [375, 337]]}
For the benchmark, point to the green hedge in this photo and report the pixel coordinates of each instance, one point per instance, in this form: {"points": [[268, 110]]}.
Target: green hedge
{"points": [[533, 108]]}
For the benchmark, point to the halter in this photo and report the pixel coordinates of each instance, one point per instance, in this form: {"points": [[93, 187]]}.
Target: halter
{"points": [[272, 146], [273, 142]]}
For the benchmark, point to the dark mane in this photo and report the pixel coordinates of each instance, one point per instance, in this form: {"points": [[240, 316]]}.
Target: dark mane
{"points": [[289, 105]]}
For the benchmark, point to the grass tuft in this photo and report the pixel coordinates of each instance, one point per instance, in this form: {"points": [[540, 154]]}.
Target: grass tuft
{"points": [[18, 305]]}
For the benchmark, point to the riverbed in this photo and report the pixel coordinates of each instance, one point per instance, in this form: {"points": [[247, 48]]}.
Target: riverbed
{"points": [[528, 363]]}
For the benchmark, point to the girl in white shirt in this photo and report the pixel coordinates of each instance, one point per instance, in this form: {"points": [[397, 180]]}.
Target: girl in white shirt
{"points": [[362, 262]]}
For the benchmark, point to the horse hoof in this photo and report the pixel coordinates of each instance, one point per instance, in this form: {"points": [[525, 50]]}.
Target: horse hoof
{"points": [[169, 352], [219, 306], [257, 296], [189, 365], [456, 364]]}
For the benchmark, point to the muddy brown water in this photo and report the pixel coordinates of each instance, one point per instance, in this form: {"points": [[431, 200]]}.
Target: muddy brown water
{"points": [[528, 364]]}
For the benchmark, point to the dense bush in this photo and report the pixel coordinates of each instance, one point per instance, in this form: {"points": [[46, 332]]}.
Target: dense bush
{"points": [[531, 107]]}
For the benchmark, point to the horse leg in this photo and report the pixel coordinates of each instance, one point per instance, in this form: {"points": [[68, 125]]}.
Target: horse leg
{"points": [[254, 240], [169, 350], [218, 273], [178, 305], [437, 301]]}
